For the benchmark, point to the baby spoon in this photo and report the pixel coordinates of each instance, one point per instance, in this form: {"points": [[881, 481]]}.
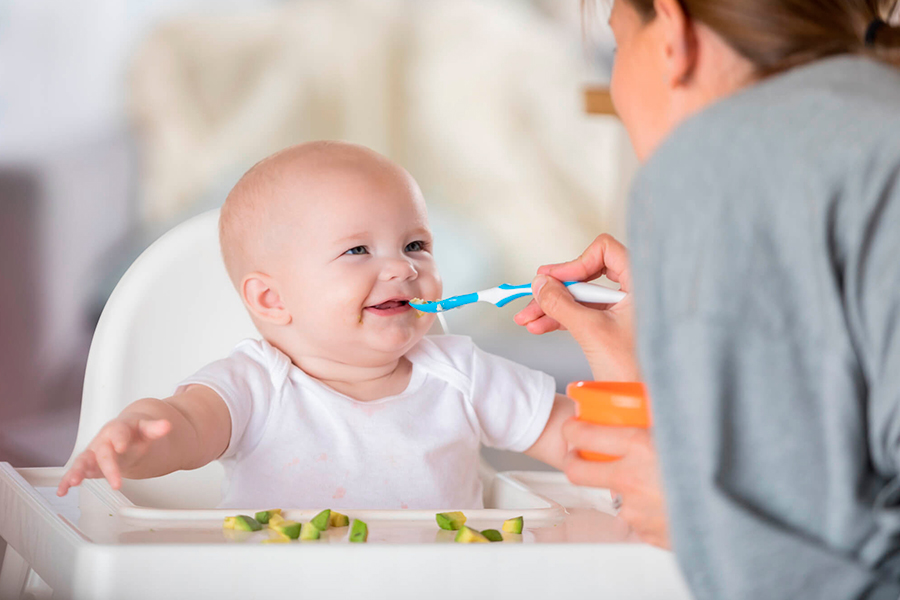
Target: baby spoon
{"points": [[505, 293]]}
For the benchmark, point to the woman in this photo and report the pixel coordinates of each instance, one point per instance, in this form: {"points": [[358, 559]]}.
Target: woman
{"points": [[765, 225]]}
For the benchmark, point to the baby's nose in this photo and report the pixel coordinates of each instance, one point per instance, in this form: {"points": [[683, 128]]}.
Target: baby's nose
{"points": [[398, 268]]}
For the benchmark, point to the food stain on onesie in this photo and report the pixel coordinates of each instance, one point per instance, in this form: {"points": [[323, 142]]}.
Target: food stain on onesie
{"points": [[339, 493], [290, 464], [322, 458]]}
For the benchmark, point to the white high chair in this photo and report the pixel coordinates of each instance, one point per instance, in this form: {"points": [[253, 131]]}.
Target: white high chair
{"points": [[175, 310]]}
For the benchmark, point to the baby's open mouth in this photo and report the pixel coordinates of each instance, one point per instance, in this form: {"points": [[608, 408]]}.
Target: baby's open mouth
{"points": [[390, 304]]}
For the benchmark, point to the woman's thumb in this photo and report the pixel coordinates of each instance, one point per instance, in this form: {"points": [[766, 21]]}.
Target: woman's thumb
{"points": [[556, 301]]}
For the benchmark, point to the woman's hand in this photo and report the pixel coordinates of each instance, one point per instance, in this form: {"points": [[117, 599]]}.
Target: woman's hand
{"points": [[604, 332], [635, 476]]}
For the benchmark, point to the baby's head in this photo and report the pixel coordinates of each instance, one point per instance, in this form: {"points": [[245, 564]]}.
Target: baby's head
{"points": [[326, 243]]}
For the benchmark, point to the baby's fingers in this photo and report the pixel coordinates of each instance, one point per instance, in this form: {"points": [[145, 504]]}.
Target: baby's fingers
{"points": [[120, 435], [109, 466], [82, 468], [72, 478]]}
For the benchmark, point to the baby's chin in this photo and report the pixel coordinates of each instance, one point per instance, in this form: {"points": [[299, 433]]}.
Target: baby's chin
{"points": [[398, 339]]}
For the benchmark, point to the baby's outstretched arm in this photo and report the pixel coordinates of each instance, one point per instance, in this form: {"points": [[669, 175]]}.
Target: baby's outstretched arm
{"points": [[154, 437], [551, 447]]}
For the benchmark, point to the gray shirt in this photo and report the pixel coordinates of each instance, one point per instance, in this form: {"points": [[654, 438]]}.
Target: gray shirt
{"points": [[765, 239]]}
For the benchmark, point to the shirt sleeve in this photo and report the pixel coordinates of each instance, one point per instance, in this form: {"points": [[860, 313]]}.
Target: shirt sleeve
{"points": [[243, 380], [511, 401]]}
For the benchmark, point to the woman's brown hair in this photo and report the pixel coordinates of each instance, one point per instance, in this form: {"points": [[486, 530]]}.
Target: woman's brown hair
{"points": [[779, 34]]}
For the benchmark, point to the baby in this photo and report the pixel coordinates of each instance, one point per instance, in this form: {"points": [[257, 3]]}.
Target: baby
{"points": [[344, 403]]}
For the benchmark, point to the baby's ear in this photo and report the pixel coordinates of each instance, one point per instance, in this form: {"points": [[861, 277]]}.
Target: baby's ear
{"points": [[260, 294]]}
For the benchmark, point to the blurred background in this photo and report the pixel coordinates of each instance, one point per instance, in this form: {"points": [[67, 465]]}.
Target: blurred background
{"points": [[121, 118]]}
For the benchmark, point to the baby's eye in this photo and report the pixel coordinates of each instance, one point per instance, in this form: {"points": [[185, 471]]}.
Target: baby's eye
{"points": [[357, 250], [416, 246]]}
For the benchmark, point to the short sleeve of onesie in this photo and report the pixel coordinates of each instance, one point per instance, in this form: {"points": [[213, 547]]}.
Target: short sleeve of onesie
{"points": [[249, 382]]}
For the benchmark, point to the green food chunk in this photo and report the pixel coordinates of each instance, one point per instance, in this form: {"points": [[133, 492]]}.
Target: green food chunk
{"points": [[289, 528], [451, 520], [492, 535], [359, 531], [309, 532], [321, 520], [245, 523], [513, 525], [338, 520], [468, 535], [263, 516], [229, 522]]}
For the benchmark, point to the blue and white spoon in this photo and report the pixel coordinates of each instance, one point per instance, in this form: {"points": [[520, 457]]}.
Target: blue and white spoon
{"points": [[505, 293]]}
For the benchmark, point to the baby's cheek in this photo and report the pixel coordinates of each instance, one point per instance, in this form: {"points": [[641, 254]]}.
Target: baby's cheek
{"points": [[432, 287]]}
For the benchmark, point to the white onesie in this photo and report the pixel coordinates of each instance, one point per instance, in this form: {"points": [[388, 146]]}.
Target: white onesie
{"points": [[297, 443]]}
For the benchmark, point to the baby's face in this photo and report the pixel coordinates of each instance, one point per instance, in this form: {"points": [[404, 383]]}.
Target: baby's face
{"points": [[356, 250]]}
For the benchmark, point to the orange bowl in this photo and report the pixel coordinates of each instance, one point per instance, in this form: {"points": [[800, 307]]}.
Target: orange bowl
{"points": [[610, 403]]}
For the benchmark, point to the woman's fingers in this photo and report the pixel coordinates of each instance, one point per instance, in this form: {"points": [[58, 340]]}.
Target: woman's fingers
{"points": [[615, 441], [558, 304], [532, 317], [605, 256], [531, 312], [544, 325], [591, 473]]}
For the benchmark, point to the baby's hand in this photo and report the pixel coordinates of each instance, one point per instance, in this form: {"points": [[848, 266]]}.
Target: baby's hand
{"points": [[120, 444]]}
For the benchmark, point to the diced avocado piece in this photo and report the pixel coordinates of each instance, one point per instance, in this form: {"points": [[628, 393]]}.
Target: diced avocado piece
{"points": [[451, 520], [263, 516], [309, 532], [513, 525], [229, 522], [338, 520], [492, 535], [321, 520], [275, 520], [359, 531], [277, 538], [289, 528], [468, 535], [245, 523]]}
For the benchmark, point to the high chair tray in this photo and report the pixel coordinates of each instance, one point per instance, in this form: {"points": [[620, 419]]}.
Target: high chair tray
{"points": [[95, 544]]}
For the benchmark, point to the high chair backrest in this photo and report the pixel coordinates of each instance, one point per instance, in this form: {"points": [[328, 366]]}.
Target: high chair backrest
{"points": [[173, 311]]}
